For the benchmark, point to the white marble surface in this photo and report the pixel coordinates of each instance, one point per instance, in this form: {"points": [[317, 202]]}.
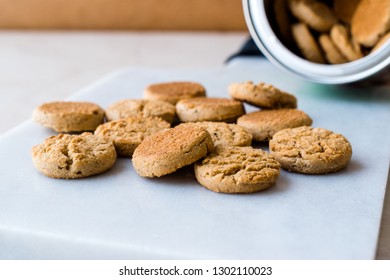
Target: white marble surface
{"points": [[39, 67]]}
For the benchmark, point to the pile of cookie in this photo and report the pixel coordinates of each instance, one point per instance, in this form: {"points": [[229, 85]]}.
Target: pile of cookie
{"points": [[176, 125], [334, 32]]}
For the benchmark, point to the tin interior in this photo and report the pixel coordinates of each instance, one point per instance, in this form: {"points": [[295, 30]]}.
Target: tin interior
{"points": [[260, 18], [270, 14]]}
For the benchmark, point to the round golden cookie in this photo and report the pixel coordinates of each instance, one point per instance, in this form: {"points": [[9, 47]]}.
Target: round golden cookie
{"points": [[381, 42], [68, 156], [237, 170], [370, 21], [165, 152], [344, 9], [209, 109], [264, 124], [225, 134], [174, 91], [315, 14], [262, 95], [345, 44], [332, 53], [128, 133], [139, 107], [65, 116], [310, 150], [306, 43]]}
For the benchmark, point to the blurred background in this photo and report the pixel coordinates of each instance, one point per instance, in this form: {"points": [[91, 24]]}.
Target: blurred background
{"points": [[51, 48], [221, 15]]}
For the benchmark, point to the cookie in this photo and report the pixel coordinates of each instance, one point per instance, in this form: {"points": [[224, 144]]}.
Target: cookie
{"points": [[65, 116], [310, 150], [237, 170], [128, 133], [264, 124], [345, 44], [344, 9], [73, 156], [174, 91], [226, 134], [315, 14], [209, 109], [306, 43], [332, 53], [139, 107], [370, 21], [381, 42], [287, 101], [165, 152], [262, 95]]}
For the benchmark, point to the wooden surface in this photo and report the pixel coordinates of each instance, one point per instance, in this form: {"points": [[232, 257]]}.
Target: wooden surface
{"points": [[221, 15]]}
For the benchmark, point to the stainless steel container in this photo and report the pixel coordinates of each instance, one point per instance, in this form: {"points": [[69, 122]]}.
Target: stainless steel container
{"points": [[373, 67]]}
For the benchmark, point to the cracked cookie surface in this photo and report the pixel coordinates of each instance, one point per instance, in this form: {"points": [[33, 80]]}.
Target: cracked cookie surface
{"points": [[237, 170], [262, 95], [226, 134], [164, 152], [128, 133], [73, 156], [310, 150], [140, 107]]}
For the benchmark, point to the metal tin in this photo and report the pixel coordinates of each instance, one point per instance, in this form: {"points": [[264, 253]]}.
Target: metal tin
{"points": [[373, 67]]}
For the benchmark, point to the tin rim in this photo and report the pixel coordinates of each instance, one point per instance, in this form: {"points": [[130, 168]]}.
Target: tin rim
{"points": [[276, 52]]}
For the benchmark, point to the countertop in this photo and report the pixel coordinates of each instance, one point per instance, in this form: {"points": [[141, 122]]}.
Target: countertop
{"points": [[38, 67]]}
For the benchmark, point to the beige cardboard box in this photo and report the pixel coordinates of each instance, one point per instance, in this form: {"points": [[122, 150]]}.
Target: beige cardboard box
{"points": [[220, 15]]}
